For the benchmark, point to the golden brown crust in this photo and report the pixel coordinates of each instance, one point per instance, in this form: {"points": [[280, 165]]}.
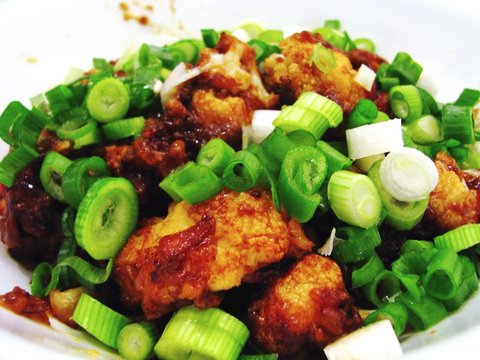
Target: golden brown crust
{"points": [[213, 246], [307, 306], [452, 203]]}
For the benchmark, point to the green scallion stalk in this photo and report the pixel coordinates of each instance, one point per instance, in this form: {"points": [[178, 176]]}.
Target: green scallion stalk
{"points": [[53, 167], [242, 171], [411, 246], [262, 49], [14, 162], [85, 134], [271, 36], [210, 37], [430, 105], [359, 244], [79, 176], [413, 262], [68, 247], [323, 58], [124, 128], [274, 147], [461, 238], [413, 285], [422, 314], [405, 69], [424, 130], [302, 173], [106, 217], [271, 165], [26, 130], [395, 312], [354, 198], [192, 183], [362, 275], [365, 44], [136, 341], [364, 113], [468, 97], [467, 287], [216, 154], [383, 289], [406, 102], [457, 123], [210, 333], [108, 100], [60, 99], [302, 138], [335, 159], [99, 320], [14, 112], [311, 112], [187, 50], [444, 274]]}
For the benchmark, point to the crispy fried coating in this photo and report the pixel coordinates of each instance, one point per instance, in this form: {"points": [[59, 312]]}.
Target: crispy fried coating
{"points": [[452, 203], [198, 251], [293, 72], [307, 306]]}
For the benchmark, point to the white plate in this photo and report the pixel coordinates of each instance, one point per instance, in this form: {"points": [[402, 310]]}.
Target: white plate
{"points": [[41, 40]]}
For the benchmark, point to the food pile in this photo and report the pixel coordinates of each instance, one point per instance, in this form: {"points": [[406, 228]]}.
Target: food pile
{"points": [[254, 194]]}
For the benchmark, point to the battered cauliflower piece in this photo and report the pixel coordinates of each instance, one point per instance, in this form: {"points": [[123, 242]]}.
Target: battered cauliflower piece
{"points": [[452, 203], [198, 251], [309, 306], [293, 73]]}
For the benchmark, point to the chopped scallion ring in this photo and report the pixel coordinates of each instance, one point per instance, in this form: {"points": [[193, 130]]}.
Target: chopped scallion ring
{"points": [[406, 102], [108, 100], [53, 167]]}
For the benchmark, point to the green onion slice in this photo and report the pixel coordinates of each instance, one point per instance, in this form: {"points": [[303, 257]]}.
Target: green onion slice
{"points": [[364, 113], [422, 314], [136, 341], [124, 128], [216, 154], [86, 134], [192, 182], [302, 173], [459, 239], [395, 312], [405, 69], [468, 286], [359, 245], [366, 273], [53, 167], [106, 217], [444, 275], [406, 102], [323, 58], [242, 172], [108, 100], [354, 198], [14, 112], [99, 320], [335, 159], [79, 176], [457, 123], [14, 162], [384, 288]]}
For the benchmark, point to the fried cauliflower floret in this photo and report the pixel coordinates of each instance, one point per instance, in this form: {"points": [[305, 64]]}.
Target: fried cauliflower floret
{"points": [[293, 73], [452, 203], [198, 251], [307, 306]]}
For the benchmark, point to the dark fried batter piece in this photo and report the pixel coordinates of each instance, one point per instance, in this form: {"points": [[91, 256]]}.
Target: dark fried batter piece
{"points": [[198, 251], [307, 306]]}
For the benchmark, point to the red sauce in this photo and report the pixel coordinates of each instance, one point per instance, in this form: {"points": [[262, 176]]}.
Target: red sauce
{"points": [[22, 303]]}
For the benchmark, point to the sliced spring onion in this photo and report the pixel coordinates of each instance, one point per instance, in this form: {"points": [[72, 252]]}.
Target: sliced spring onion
{"points": [[210, 37], [365, 77], [14, 112], [457, 123], [422, 314], [192, 183], [410, 246], [374, 139], [429, 103], [384, 288], [444, 275], [136, 341], [401, 215], [108, 100], [14, 162], [354, 199], [461, 238], [335, 159], [406, 102], [424, 130], [302, 173], [405, 68], [365, 44], [216, 154], [86, 134], [385, 82], [79, 176], [242, 171], [262, 124], [468, 97], [106, 217], [362, 275], [210, 333], [99, 320], [124, 128], [359, 245], [60, 99], [366, 163], [408, 174], [262, 49], [395, 312], [271, 36], [375, 341], [364, 112], [53, 167], [274, 148], [323, 58], [188, 50], [468, 286]]}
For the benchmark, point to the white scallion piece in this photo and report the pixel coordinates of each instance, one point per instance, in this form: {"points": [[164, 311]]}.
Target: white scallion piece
{"points": [[376, 341], [408, 174], [374, 139], [241, 35], [291, 29], [178, 76], [262, 124], [365, 77]]}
